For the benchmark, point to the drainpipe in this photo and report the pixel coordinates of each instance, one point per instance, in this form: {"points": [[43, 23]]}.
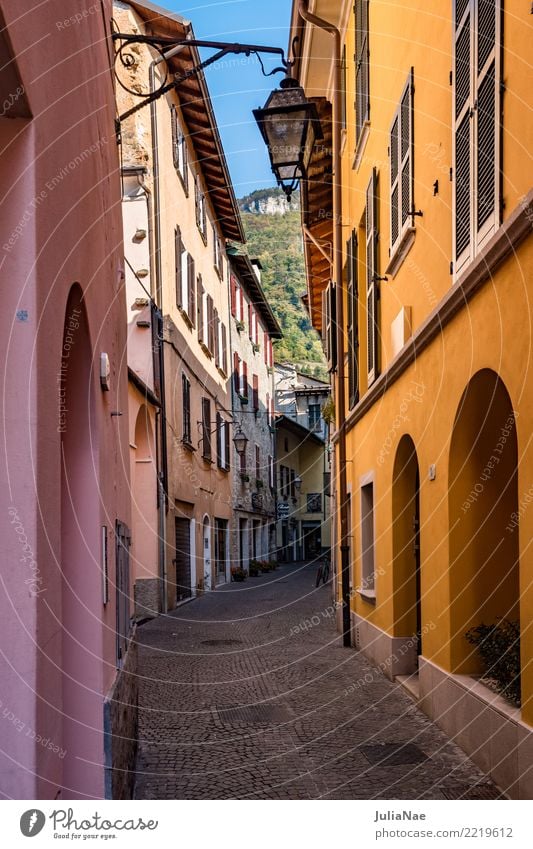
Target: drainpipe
{"points": [[337, 274]]}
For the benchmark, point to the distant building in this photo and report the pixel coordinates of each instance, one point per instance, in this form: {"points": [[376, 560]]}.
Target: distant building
{"points": [[194, 213], [303, 466], [253, 330]]}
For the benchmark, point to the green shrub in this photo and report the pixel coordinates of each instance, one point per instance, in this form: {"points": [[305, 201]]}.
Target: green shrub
{"points": [[499, 648]]}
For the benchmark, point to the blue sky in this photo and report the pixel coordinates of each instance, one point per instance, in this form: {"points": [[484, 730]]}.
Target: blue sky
{"points": [[236, 84]]}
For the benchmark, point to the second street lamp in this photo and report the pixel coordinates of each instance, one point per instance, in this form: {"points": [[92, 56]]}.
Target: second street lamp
{"points": [[289, 125]]}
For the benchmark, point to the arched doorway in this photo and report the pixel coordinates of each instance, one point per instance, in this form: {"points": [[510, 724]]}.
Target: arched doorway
{"points": [[144, 514], [81, 596], [206, 546], [407, 598], [483, 495]]}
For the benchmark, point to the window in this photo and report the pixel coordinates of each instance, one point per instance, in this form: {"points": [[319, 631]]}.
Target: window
{"points": [[217, 346], [267, 405], [243, 462], [329, 326], [211, 321], [253, 325], [223, 455], [223, 348], [271, 473], [477, 110], [240, 376], [186, 409], [202, 312], [179, 150], [292, 486], [372, 283], [353, 320], [362, 98], [201, 212], [218, 254], [367, 538], [401, 168], [257, 462], [343, 89], [283, 480], [185, 279], [206, 429], [314, 502], [255, 393], [313, 417]]}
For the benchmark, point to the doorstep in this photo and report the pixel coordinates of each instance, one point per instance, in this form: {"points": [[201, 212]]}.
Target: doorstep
{"points": [[410, 684]]}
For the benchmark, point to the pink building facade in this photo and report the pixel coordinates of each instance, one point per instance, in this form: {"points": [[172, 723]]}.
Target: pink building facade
{"points": [[65, 647]]}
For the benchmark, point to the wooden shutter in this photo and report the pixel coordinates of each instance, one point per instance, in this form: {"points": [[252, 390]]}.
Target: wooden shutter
{"points": [[210, 325], [353, 322], [224, 361], [362, 99], [463, 131], [185, 162], [227, 446], [372, 284], [175, 137], [250, 321], [255, 383], [201, 327], [197, 201], [401, 166], [233, 295], [186, 402], [216, 337], [329, 326], [244, 389], [236, 373], [206, 428], [191, 282], [220, 444], [178, 252]]}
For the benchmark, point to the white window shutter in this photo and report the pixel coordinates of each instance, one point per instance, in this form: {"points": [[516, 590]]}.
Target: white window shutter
{"points": [[463, 131], [371, 281], [487, 119]]}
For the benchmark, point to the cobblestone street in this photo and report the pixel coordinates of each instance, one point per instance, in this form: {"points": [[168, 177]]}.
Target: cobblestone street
{"points": [[247, 692]]}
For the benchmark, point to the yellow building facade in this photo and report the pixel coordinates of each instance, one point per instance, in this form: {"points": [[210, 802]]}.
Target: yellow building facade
{"points": [[433, 124]]}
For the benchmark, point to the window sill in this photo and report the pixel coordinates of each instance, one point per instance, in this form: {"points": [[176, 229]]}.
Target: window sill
{"points": [[188, 445], [206, 350], [208, 460], [202, 234], [400, 253], [186, 317], [360, 146], [182, 181], [366, 595]]}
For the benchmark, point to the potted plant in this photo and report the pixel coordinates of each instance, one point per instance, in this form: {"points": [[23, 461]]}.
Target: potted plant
{"points": [[238, 573], [240, 326], [245, 478], [259, 483], [254, 568], [498, 646]]}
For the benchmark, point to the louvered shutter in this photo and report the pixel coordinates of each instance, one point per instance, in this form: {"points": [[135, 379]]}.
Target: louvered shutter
{"points": [[236, 373], [487, 119], [197, 201], [362, 99], [227, 445], [185, 162], [191, 281], [401, 166], [210, 325], [224, 349], [220, 458], [175, 137], [329, 326], [233, 295], [178, 252], [255, 382], [463, 131], [244, 391], [353, 322], [250, 322], [201, 327], [371, 281], [206, 428]]}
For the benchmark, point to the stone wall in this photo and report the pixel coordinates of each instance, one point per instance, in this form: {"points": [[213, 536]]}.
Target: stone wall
{"points": [[147, 595], [120, 729]]}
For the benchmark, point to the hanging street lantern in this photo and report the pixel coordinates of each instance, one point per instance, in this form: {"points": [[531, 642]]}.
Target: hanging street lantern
{"points": [[240, 441], [290, 125]]}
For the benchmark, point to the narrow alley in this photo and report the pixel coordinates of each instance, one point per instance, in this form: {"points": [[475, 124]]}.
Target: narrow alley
{"points": [[248, 693]]}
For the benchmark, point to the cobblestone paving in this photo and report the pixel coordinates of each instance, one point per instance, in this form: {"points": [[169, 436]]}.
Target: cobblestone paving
{"points": [[247, 692]]}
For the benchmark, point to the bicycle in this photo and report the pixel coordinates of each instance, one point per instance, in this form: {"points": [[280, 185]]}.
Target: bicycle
{"points": [[322, 572]]}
